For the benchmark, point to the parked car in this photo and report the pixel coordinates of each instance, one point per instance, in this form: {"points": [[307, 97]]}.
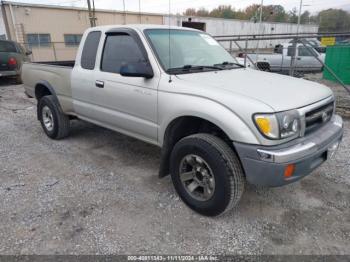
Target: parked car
{"points": [[280, 60], [12, 55], [316, 44], [218, 124], [344, 42]]}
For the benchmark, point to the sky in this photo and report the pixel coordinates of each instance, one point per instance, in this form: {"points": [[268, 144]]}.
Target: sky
{"points": [[178, 6]]}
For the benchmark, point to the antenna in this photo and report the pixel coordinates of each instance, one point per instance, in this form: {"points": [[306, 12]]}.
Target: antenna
{"points": [[170, 80]]}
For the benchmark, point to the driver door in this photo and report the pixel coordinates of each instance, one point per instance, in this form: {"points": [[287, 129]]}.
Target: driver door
{"points": [[126, 104], [306, 60]]}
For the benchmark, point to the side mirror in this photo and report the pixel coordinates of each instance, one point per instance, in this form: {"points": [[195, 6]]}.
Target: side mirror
{"points": [[137, 69], [28, 52]]}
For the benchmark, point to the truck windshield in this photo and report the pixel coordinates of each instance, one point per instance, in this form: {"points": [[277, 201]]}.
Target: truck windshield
{"points": [[7, 47], [190, 51]]}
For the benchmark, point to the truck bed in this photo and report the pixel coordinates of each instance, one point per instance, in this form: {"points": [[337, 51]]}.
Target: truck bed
{"points": [[55, 74]]}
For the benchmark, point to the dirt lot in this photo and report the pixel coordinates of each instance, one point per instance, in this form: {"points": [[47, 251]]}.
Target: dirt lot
{"points": [[97, 192]]}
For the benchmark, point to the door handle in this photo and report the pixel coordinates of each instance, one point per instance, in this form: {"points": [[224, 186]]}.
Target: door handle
{"points": [[100, 84]]}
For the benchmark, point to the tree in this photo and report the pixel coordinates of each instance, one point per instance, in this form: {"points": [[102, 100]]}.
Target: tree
{"points": [[334, 20], [278, 14], [252, 12], [202, 12], [270, 13], [293, 17], [330, 20], [190, 12], [305, 18], [223, 11]]}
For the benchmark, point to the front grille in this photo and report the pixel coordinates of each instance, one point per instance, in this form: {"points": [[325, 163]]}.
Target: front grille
{"points": [[316, 118]]}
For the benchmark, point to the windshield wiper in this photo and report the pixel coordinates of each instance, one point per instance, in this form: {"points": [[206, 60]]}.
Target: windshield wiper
{"points": [[191, 68], [226, 65]]}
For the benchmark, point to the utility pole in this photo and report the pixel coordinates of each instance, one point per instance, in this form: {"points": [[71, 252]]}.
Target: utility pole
{"points": [[261, 11], [260, 24], [291, 71], [140, 11], [93, 12], [299, 17], [91, 18], [124, 12]]}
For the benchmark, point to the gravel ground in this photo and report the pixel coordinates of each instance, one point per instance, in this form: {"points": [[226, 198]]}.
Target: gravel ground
{"points": [[97, 192]]}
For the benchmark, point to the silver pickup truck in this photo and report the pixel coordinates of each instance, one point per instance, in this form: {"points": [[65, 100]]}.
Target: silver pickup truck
{"points": [[218, 124], [306, 59]]}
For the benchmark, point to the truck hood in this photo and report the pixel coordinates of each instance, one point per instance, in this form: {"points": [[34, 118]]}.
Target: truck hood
{"points": [[277, 91]]}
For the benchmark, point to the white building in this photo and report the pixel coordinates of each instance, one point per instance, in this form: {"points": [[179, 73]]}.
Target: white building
{"points": [[220, 26]]}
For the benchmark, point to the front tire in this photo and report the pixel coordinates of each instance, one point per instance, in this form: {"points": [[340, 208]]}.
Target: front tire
{"points": [[54, 122], [206, 174]]}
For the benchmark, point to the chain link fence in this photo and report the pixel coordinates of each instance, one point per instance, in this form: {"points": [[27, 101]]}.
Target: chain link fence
{"points": [[53, 51], [282, 53], [291, 53], [298, 55]]}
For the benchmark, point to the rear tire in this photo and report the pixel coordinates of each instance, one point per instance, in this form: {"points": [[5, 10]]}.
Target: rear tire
{"points": [[206, 157], [54, 122]]}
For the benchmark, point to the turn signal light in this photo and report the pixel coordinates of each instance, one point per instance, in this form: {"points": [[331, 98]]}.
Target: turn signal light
{"points": [[289, 170], [264, 124]]}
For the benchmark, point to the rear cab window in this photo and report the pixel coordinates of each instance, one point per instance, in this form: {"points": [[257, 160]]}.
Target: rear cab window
{"points": [[88, 56], [7, 47]]}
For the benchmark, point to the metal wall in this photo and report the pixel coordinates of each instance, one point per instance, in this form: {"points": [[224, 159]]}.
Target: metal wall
{"points": [[219, 26]]}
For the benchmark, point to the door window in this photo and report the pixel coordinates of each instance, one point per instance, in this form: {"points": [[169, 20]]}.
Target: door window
{"points": [[305, 51], [119, 50]]}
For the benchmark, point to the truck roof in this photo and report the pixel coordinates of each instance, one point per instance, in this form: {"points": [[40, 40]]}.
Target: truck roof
{"points": [[139, 27]]}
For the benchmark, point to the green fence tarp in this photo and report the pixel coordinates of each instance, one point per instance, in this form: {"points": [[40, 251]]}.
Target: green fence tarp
{"points": [[338, 59]]}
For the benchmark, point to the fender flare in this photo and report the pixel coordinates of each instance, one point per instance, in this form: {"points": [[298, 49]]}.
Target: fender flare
{"points": [[52, 91], [48, 86]]}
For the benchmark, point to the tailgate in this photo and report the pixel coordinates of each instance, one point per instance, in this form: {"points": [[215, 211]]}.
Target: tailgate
{"points": [[4, 57]]}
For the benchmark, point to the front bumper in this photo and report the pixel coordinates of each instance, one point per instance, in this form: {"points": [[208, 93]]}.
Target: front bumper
{"points": [[266, 165]]}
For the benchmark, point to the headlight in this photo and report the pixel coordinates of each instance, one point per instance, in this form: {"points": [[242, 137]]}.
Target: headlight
{"points": [[280, 125]]}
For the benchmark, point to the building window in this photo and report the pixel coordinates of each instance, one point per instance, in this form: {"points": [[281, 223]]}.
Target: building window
{"points": [[39, 40], [72, 39]]}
